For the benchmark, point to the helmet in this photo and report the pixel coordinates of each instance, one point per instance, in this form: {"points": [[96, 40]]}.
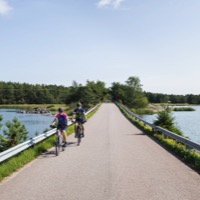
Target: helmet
{"points": [[78, 104], [60, 110]]}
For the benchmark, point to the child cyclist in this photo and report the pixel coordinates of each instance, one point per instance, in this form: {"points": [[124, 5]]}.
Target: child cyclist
{"points": [[62, 120], [79, 116]]}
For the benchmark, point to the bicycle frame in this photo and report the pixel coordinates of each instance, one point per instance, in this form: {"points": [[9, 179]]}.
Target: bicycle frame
{"points": [[79, 132], [59, 143]]}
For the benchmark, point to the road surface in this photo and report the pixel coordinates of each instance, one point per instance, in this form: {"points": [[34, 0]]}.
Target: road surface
{"points": [[115, 161]]}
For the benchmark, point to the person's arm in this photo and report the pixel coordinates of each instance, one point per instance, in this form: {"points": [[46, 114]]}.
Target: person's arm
{"points": [[54, 121], [74, 115], [84, 115], [67, 119]]}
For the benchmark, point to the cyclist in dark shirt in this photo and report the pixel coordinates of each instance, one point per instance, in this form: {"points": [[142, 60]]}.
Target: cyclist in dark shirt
{"points": [[79, 116]]}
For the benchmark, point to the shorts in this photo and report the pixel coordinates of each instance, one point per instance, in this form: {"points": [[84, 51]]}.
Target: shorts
{"points": [[62, 127]]}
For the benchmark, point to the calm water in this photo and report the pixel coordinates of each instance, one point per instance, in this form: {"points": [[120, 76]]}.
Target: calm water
{"points": [[32, 122], [188, 122]]}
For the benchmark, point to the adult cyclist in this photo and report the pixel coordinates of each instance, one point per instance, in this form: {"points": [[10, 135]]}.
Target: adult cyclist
{"points": [[62, 120], [79, 116]]}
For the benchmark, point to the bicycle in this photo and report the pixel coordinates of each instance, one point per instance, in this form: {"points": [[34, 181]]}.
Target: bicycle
{"points": [[59, 141], [79, 132]]}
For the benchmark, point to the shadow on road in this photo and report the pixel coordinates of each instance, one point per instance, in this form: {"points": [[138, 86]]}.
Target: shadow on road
{"points": [[51, 153], [71, 144], [137, 134], [48, 154]]}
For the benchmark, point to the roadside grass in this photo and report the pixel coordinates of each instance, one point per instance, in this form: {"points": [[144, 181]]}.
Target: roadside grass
{"points": [[50, 107], [21, 106], [15, 163], [183, 109], [157, 107], [189, 157]]}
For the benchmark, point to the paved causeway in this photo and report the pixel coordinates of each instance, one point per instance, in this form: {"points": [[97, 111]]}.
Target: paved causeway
{"points": [[115, 161]]}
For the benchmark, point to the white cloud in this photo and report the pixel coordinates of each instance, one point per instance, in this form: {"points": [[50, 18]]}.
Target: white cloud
{"points": [[4, 7], [117, 3], [110, 3], [103, 3]]}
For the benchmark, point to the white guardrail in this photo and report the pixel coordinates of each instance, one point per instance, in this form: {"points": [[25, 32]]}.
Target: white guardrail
{"points": [[25, 145], [187, 142]]}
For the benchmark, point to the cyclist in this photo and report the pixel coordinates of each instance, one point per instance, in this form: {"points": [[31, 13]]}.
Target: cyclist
{"points": [[62, 120], [79, 116]]}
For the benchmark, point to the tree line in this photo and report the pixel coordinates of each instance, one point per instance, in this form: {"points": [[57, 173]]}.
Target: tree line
{"points": [[89, 94], [129, 93], [17, 93], [175, 99]]}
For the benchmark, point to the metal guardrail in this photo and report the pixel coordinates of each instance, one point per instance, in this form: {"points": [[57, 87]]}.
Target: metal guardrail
{"points": [[25, 145], [190, 144]]}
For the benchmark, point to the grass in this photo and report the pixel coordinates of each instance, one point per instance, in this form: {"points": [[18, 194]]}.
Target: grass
{"points": [[183, 109], [189, 157], [50, 107], [15, 163], [21, 106]]}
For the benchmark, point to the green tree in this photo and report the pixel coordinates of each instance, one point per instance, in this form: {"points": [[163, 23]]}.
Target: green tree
{"points": [[167, 121], [2, 139], [134, 94], [15, 134], [89, 95], [130, 93], [117, 92]]}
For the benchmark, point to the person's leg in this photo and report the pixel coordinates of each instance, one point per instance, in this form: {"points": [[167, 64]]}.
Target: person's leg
{"points": [[83, 130], [64, 136], [75, 130]]}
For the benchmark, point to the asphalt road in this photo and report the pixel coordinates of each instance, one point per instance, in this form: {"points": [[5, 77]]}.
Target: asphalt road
{"points": [[115, 161]]}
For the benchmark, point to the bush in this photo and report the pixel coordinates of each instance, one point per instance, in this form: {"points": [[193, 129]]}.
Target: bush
{"points": [[167, 121], [183, 109]]}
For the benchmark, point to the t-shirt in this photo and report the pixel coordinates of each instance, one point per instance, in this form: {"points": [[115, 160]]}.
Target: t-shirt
{"points": [[80, 113], [62, 119]]}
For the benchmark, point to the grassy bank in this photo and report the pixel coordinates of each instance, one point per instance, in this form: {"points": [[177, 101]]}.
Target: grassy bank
{"points": [[156, 108], [190, 157], [31, 106], [28, 107], [15, 163], [183, 109]]}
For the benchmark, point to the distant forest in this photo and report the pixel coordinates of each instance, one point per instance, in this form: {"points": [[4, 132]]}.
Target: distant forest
{"points": [[174, 99], [130, 94]]}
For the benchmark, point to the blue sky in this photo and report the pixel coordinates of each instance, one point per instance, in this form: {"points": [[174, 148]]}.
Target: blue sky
{"points": [[58, 41]]}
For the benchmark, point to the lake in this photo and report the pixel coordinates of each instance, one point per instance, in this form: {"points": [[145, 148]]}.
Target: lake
{"points": [[187, 121], [32, 122]]}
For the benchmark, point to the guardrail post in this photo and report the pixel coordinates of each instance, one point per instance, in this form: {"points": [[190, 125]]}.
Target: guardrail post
{"points": [[188, 147], [32, 142], [165, 136]]}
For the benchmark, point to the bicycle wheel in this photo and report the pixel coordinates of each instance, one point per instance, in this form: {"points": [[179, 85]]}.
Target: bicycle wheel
{"points": [[57, 147], [63, 147], [79, 136]]}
